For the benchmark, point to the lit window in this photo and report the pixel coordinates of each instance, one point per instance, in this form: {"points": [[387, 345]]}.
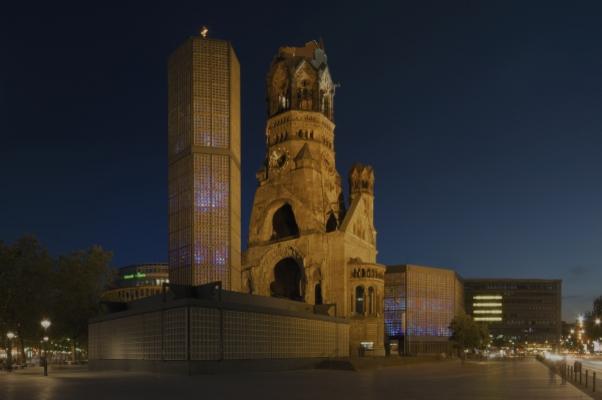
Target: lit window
{"points": [[359, 300]]}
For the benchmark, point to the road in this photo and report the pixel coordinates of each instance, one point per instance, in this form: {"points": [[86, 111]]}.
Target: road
{"points": [[449, 380], [588, 363]]}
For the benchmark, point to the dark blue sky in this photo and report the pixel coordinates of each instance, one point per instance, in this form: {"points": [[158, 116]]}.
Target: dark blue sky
{"points": [[482, 119]]}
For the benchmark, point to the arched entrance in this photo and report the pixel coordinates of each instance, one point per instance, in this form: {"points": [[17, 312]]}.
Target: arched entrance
{"points": [[287, 280]]}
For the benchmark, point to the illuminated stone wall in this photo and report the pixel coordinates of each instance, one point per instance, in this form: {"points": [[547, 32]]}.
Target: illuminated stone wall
{"points": [[163, 335], [301, 226]]}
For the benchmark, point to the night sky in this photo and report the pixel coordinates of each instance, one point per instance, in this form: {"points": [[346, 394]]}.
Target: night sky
{"points": [[482, 120]]}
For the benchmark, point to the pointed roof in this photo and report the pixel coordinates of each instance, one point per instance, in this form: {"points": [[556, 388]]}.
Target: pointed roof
{"points": [[304, 153]]}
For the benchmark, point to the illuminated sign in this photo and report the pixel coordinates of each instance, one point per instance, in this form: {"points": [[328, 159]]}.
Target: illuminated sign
{"points": [[137, 275], [487, 297]]}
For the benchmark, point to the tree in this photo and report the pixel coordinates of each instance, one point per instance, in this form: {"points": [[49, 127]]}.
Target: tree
{"points": [[25, 274], [592, 329], [79, 282], [598, 306], [467, 334], [34, 286]]}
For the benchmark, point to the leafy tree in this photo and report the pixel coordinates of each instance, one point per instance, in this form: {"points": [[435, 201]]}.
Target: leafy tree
{"points": [[598, 306], [500, 341], [593, 330], [79, 282], [25, 276], [467, 334], [33, 286]]}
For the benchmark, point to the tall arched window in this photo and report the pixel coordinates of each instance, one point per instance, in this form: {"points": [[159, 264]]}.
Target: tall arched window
{"points": [[284, 223], [360, 300]]}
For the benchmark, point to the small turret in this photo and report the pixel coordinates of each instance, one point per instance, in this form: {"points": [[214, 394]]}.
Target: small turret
{"points": [[361, 180]]}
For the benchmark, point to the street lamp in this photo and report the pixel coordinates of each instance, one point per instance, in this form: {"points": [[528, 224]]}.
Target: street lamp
{"points": [[45, 324], [597, 321], [9, 354]]}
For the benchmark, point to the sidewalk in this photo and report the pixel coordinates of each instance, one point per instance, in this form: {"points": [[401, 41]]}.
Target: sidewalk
{"points": [[415, 379]]}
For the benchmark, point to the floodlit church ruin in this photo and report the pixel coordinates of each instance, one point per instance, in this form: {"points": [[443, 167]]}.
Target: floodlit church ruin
{"points": [[306, 243]]}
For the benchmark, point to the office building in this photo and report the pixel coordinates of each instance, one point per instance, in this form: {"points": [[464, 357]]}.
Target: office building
{"points": [[522, 310]]}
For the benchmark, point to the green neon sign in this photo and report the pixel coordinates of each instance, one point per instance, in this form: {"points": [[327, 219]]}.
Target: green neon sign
{"points": [[137, 275]]}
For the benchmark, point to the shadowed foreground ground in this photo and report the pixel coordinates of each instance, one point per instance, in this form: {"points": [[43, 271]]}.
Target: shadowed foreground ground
{"points": [[434, 380]]}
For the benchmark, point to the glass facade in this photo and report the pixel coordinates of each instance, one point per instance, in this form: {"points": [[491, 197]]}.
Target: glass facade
{"points": [[204, 163], [395, 303], [420, 303]]}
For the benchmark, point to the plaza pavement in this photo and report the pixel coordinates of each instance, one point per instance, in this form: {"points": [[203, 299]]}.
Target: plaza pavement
{"points": [[449, 380]]}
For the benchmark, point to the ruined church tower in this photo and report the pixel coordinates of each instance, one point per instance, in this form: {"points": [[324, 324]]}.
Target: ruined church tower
{"points": [[305, 243]]}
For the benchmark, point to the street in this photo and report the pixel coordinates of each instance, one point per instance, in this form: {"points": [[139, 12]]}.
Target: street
{"points": [[588, 363], [451, 380]]}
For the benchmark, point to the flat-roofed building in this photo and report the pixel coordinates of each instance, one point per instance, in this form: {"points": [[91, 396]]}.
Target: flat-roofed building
{"points": [[420, 303], [522, 310], [137, 281]]}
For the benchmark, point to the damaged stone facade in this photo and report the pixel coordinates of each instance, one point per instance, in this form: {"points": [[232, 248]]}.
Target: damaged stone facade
{"points": [[305, 242]]}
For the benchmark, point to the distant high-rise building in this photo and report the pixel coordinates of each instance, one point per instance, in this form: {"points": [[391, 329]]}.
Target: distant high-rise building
{"points": [[204, 163]]}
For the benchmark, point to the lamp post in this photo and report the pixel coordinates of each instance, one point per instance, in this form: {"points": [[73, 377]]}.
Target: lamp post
{"points": [[45, 324], [9, 353]]}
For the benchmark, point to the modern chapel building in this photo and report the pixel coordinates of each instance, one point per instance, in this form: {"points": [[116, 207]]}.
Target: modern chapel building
{"points": [[420, 303]]}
